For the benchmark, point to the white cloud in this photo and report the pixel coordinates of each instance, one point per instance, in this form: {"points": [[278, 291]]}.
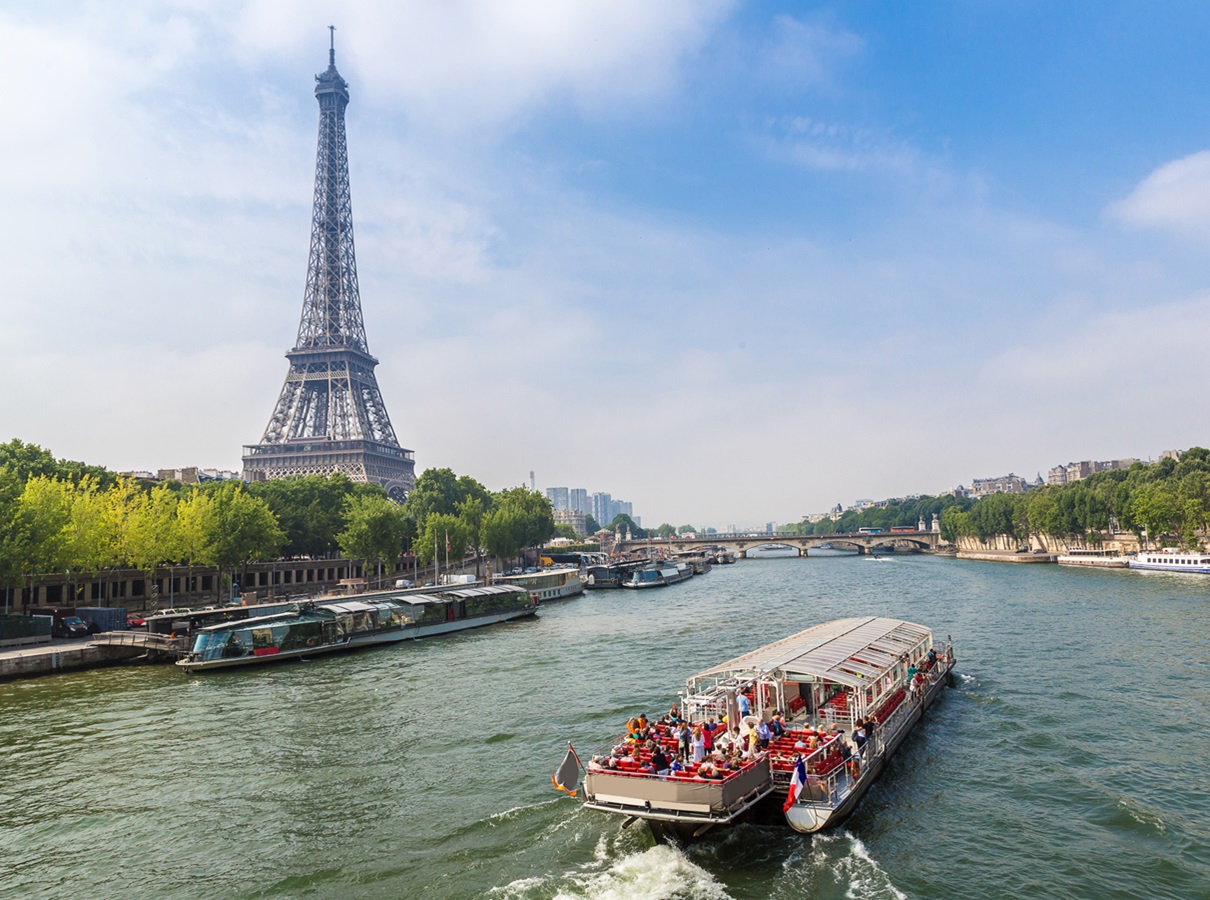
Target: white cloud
{"points": [[471, 64], [1175, 197]]}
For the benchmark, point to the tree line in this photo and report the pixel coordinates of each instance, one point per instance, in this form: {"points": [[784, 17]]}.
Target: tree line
{"points": [[1167, 501], [63, 516]]}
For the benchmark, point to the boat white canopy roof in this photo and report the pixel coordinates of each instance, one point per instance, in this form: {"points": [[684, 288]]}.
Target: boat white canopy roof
{"points": [[845, 651]]}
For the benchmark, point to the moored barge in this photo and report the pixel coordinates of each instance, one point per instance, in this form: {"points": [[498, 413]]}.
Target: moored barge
{"points": [[827, 682], [327, 626]]}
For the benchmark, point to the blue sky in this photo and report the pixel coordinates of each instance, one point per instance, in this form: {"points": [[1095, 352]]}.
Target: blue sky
{"points": [[731, 262]]}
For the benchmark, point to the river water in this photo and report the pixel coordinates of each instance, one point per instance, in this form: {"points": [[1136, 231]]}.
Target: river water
{"points": [[1069, 760]]}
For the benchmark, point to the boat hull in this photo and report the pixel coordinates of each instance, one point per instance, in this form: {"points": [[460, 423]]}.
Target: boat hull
{"points": [[393, 636], [817, 812]]}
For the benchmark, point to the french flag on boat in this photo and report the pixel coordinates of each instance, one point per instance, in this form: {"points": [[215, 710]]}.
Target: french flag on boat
{"points": [[797, 780]]}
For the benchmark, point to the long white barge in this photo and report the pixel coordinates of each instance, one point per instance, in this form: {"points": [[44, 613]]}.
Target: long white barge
{"points": [[1170, 560], [828, 681], [1101, 559]]}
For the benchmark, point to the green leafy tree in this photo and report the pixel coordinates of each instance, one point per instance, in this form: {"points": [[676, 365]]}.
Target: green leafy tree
{"points": [[624, 522], [565, 531], [591, 525], [239, 528], [439, 528], [44, 517], [310, 509], [374, 529]]}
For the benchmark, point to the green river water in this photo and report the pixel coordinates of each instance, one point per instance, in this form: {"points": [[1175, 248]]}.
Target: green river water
{"points": [[1069, 760]]}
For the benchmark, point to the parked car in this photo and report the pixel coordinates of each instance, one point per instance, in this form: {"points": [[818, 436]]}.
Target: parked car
{"points": [[70, 627], [135, 621]]}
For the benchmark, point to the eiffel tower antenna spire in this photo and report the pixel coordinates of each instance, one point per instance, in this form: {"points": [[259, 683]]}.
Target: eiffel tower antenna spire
{"points": [[330, 417]]}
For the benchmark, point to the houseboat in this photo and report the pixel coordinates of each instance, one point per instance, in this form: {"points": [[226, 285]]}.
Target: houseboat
{"points": [[608, 575], [327, 626], [658, 575], [827, 681], [1101, 559], [547, 584], [1171, 560]]}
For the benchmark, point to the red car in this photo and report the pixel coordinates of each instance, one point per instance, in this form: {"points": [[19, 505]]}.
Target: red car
{"points": [[135, 621]]}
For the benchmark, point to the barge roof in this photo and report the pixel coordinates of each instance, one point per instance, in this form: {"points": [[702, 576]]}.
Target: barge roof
{"points": [[846, 651]]}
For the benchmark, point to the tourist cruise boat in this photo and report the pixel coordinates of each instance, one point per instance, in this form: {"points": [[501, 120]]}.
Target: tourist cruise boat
{"points": [[326, 626], [827, 679], [1104, 559], [547, 584], [1171, 560]]}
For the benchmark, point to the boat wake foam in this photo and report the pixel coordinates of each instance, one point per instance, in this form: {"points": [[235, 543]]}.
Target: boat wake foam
{"points": [[835, 860], [657, 873]]}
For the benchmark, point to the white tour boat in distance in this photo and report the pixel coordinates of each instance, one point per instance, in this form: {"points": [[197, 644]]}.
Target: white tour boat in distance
{"points": [[1103, 559], [827, 680], [1172, 560], [772, 551]]}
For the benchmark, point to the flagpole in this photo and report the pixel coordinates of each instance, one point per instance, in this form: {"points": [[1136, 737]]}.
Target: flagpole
{"points": [[436, 562]]}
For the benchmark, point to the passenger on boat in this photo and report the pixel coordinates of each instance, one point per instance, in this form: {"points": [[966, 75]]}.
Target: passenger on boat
{"points": [[745, 705], [698, 744], [708, 733], [660, 762], [859, 737], [850, 761], [912, 689], [800, 744], [685, 737], [764, 734], [932, 657], [674, 715], [778, 724], [870, 724]]}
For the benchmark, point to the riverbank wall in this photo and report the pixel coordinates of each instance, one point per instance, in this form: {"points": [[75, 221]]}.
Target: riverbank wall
{"points": [[1038, 548]]}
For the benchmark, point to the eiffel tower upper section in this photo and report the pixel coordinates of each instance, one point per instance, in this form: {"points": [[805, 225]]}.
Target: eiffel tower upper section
{"points": [[330, 416]]}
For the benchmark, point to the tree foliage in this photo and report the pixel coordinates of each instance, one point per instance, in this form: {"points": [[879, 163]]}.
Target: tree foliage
{"points": [[374, 528]]}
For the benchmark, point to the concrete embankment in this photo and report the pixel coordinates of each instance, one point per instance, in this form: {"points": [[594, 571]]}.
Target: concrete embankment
{"points": [[64, 656]]}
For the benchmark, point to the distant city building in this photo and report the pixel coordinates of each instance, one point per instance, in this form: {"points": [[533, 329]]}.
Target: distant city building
{"points": [[601, 504], [1172, 454], [558, 498], [578, 500], [1077, 471], [574, 518], [1003, 484]]}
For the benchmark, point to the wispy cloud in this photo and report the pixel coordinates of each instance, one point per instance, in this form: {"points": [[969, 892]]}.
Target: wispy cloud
{"points": [[1175, 197]]}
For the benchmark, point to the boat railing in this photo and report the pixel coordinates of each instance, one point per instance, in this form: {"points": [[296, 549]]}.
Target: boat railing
{"points": [[831, 787]]}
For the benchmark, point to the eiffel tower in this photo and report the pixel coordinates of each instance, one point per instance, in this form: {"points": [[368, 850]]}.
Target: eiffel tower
{"points": [[330, 416]]}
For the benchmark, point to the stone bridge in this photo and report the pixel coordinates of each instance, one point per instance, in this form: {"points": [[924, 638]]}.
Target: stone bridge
{"points": [[862, 542]]}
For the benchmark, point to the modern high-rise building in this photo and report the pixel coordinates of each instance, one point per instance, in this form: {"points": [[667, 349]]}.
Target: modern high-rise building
{"points": [[578, 500], [558, 498], [330, 416]]}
